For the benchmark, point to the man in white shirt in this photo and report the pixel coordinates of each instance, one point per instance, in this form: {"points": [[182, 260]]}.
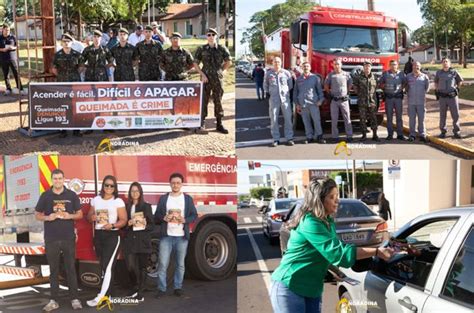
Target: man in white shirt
{"points": [[174, 212], [137, 36]]}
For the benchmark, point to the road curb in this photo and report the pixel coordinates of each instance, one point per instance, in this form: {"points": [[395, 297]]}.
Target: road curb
{"points": [[465, 152]]}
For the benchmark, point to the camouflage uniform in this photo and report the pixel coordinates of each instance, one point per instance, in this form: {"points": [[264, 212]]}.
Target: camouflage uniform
{"points": [[124, 57], [67, 66], [366, 87], [96, 60], [149, 55], [176, 63], [213, 59]]}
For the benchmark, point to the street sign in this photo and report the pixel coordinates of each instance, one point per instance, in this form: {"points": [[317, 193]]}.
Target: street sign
{"points": [[394, 169]]}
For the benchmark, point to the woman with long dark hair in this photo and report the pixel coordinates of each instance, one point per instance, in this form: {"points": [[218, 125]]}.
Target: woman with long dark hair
{"points": [[313, 245], [384, 207], [137, 242], [109, 215]]}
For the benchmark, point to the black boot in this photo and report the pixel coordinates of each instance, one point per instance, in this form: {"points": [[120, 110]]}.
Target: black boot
{"points": [[374, 135], [220, 128]]}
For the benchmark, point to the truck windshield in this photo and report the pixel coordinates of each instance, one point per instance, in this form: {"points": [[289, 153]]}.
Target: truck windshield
{"points": [[335, 38]]}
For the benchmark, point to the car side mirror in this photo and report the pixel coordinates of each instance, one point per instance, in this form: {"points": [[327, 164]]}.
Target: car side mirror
{"points": [[263, 210]]}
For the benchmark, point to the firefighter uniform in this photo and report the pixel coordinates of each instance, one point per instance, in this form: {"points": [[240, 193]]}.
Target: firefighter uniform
{"points": [[278, 85], [393, 92], [417, 87], [213, 59], [149, 54], [339, 85], [308, 93], [447, 93], [176, 63]]}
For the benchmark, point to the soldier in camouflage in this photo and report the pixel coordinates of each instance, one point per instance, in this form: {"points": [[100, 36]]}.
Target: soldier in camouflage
{"points": [[176, 61], [216, 60], [66, 68], [365, 86], [96, 58], [126, 57], [149, 55]]}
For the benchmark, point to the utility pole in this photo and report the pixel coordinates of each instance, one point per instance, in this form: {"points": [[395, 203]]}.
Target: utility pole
{"points": [[370, 5], [354, 182], [218, 13]]}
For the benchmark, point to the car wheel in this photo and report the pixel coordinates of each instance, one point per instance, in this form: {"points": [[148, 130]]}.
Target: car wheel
{"points": [[344, 305]]}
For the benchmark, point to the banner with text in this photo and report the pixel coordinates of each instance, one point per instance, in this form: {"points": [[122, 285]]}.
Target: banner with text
{"points": [[115, 105]]}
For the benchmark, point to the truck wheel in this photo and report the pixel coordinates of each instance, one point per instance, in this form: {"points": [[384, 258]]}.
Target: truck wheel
{"points": [[213, 252], [344, 304]]}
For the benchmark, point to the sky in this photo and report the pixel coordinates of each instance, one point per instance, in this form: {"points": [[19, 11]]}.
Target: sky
{"points": [[406, 11], [285, 165]]}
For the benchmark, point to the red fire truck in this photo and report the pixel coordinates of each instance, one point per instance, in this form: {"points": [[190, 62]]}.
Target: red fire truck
{"points": [[211, 181], [324, 34]]}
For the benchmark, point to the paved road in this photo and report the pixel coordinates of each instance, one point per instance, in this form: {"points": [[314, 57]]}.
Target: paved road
{"points": [[200, 297], [253, 136], [256, 261]]}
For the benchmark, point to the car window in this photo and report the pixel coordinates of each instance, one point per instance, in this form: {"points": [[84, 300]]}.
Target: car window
{"points": [[435, 233], [353, 209], [427, 238], [459, 284], [284, 205]]}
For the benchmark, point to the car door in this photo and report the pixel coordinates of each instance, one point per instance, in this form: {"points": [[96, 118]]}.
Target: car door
{"points": [[400, 288], [454, 286]]}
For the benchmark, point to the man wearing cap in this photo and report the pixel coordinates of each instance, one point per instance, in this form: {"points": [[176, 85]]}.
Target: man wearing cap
{"points": [[9, 59], [126, 57], [337, 86], [149, 55], [176, 61], [392, 83], [137, 36], [66, 67], [365, 86], [96, 58], [215, 60], [447, 83], [158, 35]]}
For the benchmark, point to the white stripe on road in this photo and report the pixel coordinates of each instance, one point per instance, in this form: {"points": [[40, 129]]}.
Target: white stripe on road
{"points": [[261, 263], [253, 143], [252, 118], [247, 220], [259, 219]]}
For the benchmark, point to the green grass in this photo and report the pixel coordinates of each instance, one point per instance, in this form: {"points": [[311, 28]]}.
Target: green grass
{"points": [[466, 73]]}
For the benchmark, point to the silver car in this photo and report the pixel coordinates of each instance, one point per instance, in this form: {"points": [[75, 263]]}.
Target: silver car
{"points": [[435, 274], [273, 215]]}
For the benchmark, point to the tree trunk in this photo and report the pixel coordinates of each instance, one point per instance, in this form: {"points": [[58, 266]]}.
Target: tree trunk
{"points": [[79, 25], [465, 49], [203, 18], [226, 23]]}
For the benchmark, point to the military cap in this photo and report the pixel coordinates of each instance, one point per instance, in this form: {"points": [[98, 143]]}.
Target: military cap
{"points": [[212, 31], [67, 36], [97, 33], [154, 24], [367, 62], [176, 34], [148, 27], [123, 30]]}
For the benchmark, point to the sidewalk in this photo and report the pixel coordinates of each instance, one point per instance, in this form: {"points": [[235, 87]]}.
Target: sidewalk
{"points": [[466, 112]]}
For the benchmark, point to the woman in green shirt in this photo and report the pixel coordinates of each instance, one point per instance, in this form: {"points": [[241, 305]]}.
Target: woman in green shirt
{"points": [[313, 245]]}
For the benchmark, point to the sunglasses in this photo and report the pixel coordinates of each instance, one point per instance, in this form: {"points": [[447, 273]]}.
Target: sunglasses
{"points": [[109, 186], [211, 35], [66, 41]]}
